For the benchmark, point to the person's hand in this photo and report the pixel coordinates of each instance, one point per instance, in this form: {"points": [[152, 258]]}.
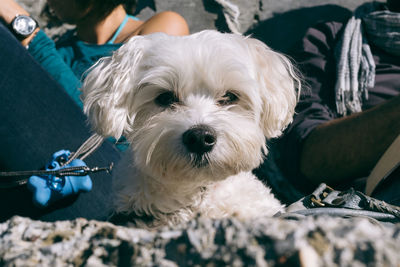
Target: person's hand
{"points": [[8, 10]]}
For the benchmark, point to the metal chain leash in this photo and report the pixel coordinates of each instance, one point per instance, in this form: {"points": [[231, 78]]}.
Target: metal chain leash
{"points": [[87, 148]]}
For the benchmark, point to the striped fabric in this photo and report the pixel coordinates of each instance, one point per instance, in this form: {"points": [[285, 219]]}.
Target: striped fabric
{"points": [[383, 30], [355, 64]]}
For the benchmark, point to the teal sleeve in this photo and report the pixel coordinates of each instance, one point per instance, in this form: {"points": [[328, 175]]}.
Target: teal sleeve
{"points": [[43, 49]]}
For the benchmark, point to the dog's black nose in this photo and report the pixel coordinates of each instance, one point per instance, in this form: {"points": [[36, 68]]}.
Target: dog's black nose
{"points": [[199, 139]]}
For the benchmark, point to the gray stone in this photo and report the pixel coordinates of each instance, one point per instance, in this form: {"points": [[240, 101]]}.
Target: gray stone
{"points": [[306, 241], [33, 7]]}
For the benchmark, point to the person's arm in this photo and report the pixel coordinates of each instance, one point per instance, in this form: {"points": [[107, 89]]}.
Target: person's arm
{"points": [[350, 146], [43, 49], [320, 146], [8, 10]]}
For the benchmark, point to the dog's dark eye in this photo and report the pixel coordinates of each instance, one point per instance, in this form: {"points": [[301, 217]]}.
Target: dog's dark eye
{"points": [[166, 99], [228, 98]]}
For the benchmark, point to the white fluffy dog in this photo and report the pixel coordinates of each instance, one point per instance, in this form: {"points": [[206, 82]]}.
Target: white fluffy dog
{"points": [[197, 111]]}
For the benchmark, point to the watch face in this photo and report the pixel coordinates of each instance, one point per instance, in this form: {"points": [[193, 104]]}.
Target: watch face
{"points": [[24, 25]]}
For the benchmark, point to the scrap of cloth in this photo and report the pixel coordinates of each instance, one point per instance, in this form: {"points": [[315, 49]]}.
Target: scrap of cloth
{"points": [[371, 23]]}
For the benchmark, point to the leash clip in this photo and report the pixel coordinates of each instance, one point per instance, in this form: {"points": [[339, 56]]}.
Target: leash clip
{"points": [[320, 194]]}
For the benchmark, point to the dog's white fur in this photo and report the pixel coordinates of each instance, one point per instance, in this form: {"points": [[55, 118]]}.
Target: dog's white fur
{"points": [[159, 177]]}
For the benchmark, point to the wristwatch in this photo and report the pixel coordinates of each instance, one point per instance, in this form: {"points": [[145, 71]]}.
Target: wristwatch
{"points": [[23, 26]]}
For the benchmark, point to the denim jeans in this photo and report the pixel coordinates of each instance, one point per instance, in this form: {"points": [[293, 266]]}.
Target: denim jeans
{"points": [[37, 118]]}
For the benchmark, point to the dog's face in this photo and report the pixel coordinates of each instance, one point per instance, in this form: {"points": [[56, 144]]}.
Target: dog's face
{"points": [[194, 107]]}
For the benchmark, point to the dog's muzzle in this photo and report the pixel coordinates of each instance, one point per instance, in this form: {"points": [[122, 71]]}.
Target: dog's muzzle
{"points": [[199, 139]]}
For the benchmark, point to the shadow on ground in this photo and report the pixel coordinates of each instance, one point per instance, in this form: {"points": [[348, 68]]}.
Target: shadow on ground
{"points": [[282, 31]]}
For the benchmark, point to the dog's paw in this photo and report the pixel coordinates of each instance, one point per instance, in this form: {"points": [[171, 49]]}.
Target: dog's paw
{"points": [[242, 196]]}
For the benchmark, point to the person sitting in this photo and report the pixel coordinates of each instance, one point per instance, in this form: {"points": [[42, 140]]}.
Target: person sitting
{"points": [[40, 92], [101, 27], [350, 115]]}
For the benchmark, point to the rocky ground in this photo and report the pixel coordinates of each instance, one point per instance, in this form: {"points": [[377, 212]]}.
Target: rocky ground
{"points": [[303, 241], [288, 241]]}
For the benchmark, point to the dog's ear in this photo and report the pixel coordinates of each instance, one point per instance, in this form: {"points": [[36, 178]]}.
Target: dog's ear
{"points": [[108, 89], [279, 87]]}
